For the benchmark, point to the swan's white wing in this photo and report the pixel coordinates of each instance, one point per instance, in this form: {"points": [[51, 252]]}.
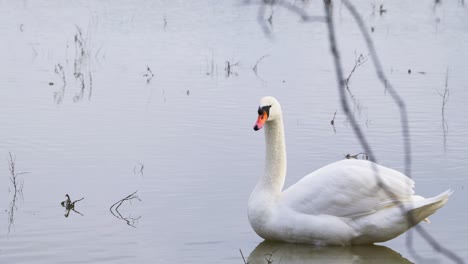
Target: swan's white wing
{"points": [[348, 188]]}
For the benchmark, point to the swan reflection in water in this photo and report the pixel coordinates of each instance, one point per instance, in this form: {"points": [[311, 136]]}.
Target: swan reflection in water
{"points": [[278, 252]]}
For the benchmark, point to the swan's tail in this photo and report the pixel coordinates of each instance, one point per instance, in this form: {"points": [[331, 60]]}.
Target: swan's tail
{"points": [[426, 207]]}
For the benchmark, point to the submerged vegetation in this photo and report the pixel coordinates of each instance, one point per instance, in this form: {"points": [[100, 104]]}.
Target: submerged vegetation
{"points": [[16, 189], [81, 71]]}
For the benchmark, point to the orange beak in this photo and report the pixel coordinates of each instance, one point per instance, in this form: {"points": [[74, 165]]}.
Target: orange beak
{"points": [[260, 121]]}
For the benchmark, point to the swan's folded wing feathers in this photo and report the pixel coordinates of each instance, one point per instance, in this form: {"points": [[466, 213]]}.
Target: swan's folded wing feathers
{"points": [[348, 188]]}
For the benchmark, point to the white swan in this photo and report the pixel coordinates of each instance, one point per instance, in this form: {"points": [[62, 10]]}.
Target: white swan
{"points": [[339, 204]]}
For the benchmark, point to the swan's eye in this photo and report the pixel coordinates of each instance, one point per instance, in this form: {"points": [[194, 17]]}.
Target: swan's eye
{"points": [[264, 109], [260, 111]]}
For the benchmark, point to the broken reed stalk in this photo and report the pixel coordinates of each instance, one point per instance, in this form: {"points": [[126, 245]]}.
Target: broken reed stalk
{"points": [[17, 188], [254, 68], [229, 69], [81, 54], [17, 185], [361, 59], [332, 122], [90, 85], [445, 97], [149, 74], [58, 95], [59, 70], [305, 17]]}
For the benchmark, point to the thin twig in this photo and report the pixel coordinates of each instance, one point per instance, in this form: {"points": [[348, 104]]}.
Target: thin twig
{"points": [[90, 85], [264, 23], [254, 68], [245, 262], [149, 74], [361, 59], [229, 69], [58, 95]]}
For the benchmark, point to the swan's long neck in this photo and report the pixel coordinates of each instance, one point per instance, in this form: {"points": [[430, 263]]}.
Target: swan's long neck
{"points": [[275, 163]]}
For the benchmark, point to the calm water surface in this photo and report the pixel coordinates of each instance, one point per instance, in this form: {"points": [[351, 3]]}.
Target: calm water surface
{"points": [[84, 115]]}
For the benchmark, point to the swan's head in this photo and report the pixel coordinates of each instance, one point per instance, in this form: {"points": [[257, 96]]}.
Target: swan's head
{"points": [[268, 110]]}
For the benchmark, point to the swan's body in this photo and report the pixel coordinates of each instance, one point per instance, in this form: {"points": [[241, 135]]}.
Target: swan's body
{"points": [[339, 204]]}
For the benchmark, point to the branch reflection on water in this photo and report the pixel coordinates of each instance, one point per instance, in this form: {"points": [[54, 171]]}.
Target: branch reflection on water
{"points": [[17, 189], [277, 252], [114, 209]]}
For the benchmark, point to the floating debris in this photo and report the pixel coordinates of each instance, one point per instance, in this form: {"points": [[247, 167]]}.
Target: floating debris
{"points": [[382, 10], [70, 206], [148, 75], [255, 67], [332, 122], [363, 155], [138, 169]]}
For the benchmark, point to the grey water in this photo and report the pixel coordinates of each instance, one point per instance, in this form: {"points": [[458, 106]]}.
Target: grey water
{"points": [[101, 99]]}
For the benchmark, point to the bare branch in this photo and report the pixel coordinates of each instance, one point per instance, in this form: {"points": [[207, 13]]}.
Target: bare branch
{"points": [[403, 115]]}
